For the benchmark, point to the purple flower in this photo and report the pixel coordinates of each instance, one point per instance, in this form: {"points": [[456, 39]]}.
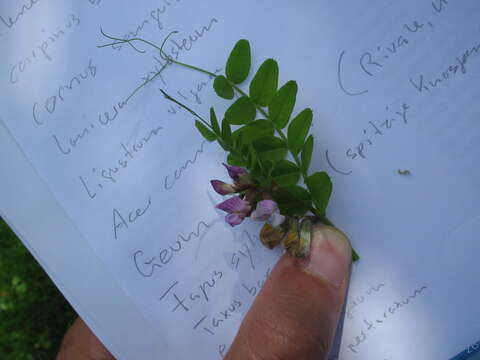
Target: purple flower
{"points": [[235, 172], [267, 210], [234, 205], [222, 188], [234, 219], [236, 208]]}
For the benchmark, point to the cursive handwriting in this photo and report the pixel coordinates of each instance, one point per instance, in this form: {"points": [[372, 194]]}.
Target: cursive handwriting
{"points": [[187, 42], [42, 51], [210, 323], [109, 175], [177, 47], [50, 103], [170, 180], [372, 325], [253, 289], [371, 62], [154, 18], [360, 299], [9, 22], [121, 222], [370, 132], [146, 266], [460, 66], [193, 94], [200, 293], [65, 146], [439, 5]]}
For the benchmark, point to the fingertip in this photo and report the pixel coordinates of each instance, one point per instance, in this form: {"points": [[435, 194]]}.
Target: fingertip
{"points": [[296, 313], [330, 255]]}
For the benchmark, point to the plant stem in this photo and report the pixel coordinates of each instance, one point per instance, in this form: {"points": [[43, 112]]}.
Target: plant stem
{"points": [[279, 131], [322, 217], [196, 68]]}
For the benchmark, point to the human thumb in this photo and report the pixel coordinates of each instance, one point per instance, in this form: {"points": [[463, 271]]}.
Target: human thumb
{"points": [[296, 313]]}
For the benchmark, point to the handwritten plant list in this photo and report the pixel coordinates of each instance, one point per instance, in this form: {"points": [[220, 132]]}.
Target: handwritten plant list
{"points": [[394, 87]]}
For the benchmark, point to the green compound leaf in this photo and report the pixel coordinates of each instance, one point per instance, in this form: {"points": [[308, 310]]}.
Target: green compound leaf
{"points": [[298, 130], [244, 149], [281, 106], [214, 122], [241, 112], [206, 132], [226, 132], [293, 200], [270, 148], [253, 131], [237, 141], [286, 173], [239, 62], [320, 187], [235, 160], [267, 167], [223, 88], [253, 164], [307, 154], [264, 83]]}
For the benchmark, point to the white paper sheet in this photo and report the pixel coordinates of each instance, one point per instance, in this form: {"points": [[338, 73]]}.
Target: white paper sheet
{"points": [[359, 65]]}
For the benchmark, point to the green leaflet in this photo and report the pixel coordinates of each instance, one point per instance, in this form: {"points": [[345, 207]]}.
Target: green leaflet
{"points": [[267, 167], [253, 131], [270, 148], [320, 187], [214, 122], [239, 62], [281, 106], [307, 154], [223, 88], [253, 164], [244, 149], [286, 173], [293, 200], [264, 83], [241, 112], [298, 130], [206, 132], [226, 132], [234, 160]]}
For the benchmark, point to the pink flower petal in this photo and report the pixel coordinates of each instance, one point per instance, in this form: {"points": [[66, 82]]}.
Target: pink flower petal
{"points": [[234, 205], [235, 171], [276, 219], [264, 210], [222, 188], [234, 219]]}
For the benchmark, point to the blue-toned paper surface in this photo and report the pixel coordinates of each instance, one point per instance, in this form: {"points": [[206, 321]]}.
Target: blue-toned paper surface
{"points": [[394, 86]]}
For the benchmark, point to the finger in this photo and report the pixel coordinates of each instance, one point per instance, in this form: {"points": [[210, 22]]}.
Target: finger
{"points": [[81, 343], [296, 313]]}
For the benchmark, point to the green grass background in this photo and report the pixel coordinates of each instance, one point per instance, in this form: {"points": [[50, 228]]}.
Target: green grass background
{"points": [[33, 313]]}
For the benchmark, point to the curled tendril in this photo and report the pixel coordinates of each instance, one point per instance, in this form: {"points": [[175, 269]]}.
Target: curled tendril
{"points": [[119, 41], [163, 55]]}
